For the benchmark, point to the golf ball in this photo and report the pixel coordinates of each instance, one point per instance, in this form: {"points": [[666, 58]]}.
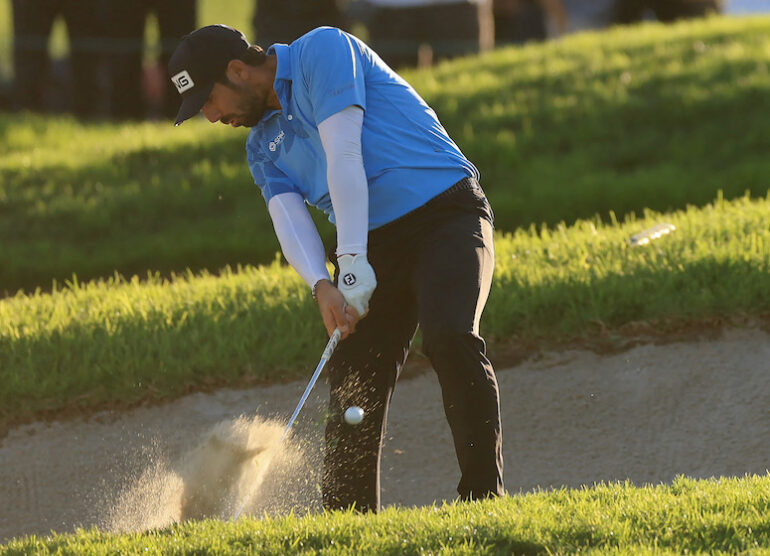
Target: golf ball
{"points": [[354, 415]]}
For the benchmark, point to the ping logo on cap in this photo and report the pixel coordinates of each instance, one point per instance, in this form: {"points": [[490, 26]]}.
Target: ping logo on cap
{"points": [[183, 81]]}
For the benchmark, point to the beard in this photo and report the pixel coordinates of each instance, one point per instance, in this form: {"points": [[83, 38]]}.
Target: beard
{"points": [[251, 106]]}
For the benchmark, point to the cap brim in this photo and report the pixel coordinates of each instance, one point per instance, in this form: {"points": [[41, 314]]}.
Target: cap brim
{"points": [[192, 103]]}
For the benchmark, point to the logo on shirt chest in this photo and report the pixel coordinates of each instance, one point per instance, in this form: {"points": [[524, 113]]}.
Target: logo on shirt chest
{"points": [[275, 143]]}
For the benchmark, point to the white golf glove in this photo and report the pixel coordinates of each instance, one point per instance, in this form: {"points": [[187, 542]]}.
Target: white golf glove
{"points": [[356, 281]]}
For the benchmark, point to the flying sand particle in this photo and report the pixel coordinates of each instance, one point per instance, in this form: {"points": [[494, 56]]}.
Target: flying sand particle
{"points": [[234, 458]]}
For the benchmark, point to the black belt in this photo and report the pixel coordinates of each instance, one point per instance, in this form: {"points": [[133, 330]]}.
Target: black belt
{"points": [[465, 184]]}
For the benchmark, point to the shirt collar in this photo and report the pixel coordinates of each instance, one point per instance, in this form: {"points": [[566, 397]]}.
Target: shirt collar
{"points": [[282, 81], [283, 52]]}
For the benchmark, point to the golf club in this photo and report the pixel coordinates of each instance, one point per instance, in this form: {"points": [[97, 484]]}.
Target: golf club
{"points": [[327, 353]]}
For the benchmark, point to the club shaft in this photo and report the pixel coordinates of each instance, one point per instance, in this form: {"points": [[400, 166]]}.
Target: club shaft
{"points": [[330, 346], [335, 338]]}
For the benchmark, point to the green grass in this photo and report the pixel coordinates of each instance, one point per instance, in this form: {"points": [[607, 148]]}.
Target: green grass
{"points": [[6, 41], [125, 198], [724, 516], [582, 143], [109, 342], [647, 117]]}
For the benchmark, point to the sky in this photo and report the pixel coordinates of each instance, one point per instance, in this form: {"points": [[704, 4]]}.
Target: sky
{"points": [[747, 6]]}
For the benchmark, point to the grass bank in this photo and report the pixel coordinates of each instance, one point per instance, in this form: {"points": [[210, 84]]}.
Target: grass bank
{"points": [[724, 516], [118, 341], [646, 117]]}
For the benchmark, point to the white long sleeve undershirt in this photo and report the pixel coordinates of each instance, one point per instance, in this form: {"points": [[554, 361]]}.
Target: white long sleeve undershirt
{"points": [[349, 191], [298, 236], [345, 174]]}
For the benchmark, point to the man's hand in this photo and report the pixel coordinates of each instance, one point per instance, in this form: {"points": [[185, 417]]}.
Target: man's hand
{"points": [[335, 311], [356, 281]]}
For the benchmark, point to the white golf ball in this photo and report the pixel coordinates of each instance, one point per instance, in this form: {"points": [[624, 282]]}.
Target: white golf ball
{"points": [[354, 415]]}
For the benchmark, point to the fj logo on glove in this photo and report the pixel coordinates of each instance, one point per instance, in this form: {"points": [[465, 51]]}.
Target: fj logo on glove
{"points": [[349, 279]]}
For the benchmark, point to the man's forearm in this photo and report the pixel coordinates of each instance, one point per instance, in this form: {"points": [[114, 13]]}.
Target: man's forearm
{"points": [[298, 236], [349, 191]]}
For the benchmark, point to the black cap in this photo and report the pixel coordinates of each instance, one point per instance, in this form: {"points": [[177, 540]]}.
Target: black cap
{"points": [[199, 61]]}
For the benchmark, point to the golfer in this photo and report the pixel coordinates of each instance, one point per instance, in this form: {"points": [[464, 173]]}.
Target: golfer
{"points": [[334, 127]]}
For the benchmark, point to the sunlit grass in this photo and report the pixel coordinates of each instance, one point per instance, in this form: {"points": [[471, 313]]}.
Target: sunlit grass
{"points": [[646, 117], [557, 281], [724, 516], [117, 342], [652, 117], [581, 142]]}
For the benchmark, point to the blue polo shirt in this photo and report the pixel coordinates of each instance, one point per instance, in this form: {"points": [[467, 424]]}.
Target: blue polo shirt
{"points": [[408, 156]]}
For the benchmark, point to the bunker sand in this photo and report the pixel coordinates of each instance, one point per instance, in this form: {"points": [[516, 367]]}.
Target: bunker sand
{"points": [[227, 468], [572, 418]]}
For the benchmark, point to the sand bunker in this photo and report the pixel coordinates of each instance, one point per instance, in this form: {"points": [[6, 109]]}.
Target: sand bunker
{"points": [[698, 408]]}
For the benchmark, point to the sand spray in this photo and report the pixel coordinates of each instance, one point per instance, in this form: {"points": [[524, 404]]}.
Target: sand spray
{"points": [[235, 461]]}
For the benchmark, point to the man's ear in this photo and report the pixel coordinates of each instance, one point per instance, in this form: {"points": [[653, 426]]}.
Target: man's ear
{"points": [[237, 71]]}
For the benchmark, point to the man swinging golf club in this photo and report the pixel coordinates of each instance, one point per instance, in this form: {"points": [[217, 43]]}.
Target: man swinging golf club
{"points": [[334, 127]]}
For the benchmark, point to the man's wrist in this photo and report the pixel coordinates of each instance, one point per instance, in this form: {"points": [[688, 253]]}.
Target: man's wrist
{"points": [[314, 290], [357, 281]]}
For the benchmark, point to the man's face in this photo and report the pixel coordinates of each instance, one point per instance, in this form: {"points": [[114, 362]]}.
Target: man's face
{"points": [[235, 104]]}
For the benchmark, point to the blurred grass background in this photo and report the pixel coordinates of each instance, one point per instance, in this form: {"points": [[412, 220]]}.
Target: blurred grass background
{"points": [[623, 120], [102, 343], [581, 143]]}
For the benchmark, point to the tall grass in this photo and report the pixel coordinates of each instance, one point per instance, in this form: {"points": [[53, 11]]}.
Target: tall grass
{"points": [[560, 280], [721, 516], [124, 198], [119, 341], [647, 117]]}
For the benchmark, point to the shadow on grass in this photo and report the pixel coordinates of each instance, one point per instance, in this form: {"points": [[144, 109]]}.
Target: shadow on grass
{"points": [[563, 310], [228, 340], [670, 124]]}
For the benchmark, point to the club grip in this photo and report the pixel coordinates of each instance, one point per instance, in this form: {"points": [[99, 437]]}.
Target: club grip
{"points": [[332, 344]]}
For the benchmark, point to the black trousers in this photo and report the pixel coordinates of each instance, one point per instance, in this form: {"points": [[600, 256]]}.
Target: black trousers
{"points": [[125, 49], [434, 268], [32, 23], [451, 29], [286, 20], [630, 11]]}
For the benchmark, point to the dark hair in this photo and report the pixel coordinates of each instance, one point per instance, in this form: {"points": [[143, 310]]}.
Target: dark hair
{"points": [[254, 55]]}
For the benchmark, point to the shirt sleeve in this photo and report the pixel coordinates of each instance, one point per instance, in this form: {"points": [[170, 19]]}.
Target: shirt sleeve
{"points": [[298, 236], [270, 179], [334, 75], [348, 188]]}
